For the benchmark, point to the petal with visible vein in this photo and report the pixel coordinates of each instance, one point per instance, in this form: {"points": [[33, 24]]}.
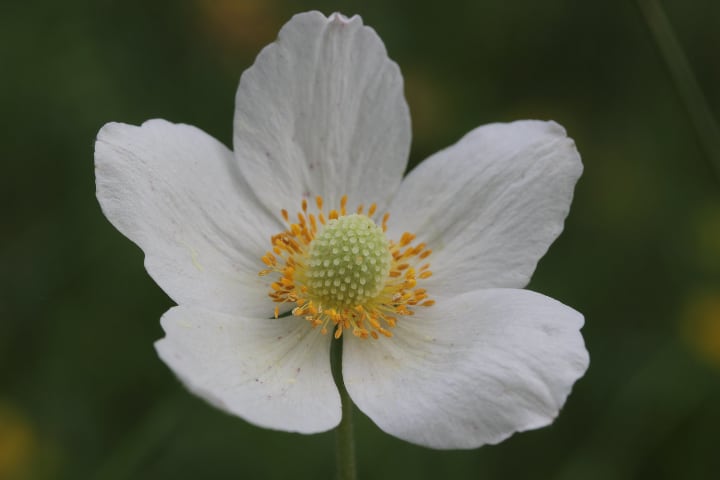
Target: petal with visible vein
{"points": [[471, 370], [490, 206], [177, 193], [273, 373], [322, 112]]}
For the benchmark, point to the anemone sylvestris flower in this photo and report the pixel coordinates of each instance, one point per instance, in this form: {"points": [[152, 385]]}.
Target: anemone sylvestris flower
{"points": [[308, 231]]}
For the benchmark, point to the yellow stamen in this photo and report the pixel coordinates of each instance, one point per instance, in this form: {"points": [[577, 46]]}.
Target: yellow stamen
{"points": [[343, 205]]}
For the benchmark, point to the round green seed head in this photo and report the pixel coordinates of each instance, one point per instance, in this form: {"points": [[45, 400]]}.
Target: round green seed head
{"points": [[349, 262]]}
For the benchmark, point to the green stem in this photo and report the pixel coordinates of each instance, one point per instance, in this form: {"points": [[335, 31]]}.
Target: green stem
{"points": [[344, 439], [685, 82]]}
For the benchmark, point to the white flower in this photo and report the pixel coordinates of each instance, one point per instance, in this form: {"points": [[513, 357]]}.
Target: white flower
{"points": [[464, 357]]}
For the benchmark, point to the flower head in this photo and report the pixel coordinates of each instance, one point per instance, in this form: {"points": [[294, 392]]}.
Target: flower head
{"points": [[308, 231]]}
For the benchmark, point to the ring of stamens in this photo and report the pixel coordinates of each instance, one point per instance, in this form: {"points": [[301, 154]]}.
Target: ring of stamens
{"points": [[341, 271]]}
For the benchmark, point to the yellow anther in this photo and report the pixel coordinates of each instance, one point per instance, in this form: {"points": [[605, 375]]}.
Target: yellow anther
{"points": [[406, 238], [343, 205]]}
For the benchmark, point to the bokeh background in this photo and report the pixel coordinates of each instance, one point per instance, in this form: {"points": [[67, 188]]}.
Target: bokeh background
{"points": [[82, 393]]}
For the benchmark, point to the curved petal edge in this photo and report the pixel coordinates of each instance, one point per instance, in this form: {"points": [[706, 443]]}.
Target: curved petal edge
{"points": [[471, 370], [274, 373], [322, 112], [490, 205]]}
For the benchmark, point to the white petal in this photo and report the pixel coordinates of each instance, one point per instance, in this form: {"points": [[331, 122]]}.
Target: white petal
{"points": [[470, 370], [322, 112], [490, 205], [177, 193], [274, 373]]}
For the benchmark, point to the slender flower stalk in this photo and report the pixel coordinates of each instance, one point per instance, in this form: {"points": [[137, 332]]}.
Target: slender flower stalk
{"points": [[344, 435]]}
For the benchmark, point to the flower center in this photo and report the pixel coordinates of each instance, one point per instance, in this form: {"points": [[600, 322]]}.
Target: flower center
{"points": [[342, 272], [349, 262]]}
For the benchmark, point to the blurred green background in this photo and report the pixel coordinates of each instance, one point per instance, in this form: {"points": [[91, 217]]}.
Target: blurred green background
{"points": [[82, 392]]}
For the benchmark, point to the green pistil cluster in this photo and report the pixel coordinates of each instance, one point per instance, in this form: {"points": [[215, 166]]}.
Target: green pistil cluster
{"points": [[349, 262]]}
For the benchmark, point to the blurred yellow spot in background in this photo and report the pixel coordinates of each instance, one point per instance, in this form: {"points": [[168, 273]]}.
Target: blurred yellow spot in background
{"points": [[702, 325], [239, 26], [16, 444]]}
